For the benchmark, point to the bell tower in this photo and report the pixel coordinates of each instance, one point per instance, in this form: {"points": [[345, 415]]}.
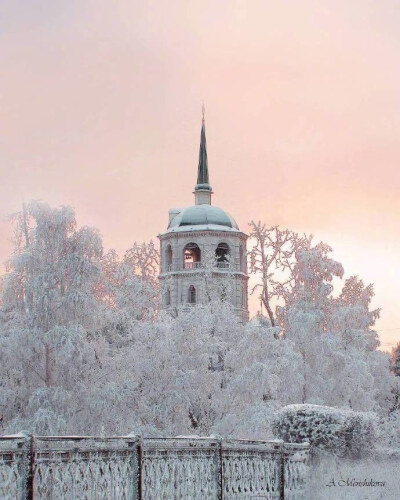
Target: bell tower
{"points": [[203, 252]]}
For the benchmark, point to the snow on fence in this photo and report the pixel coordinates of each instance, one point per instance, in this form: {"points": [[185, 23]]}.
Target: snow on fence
{"points": [[180, 468], [14, 467], [84, 468], [88, 468], [295, 469]]}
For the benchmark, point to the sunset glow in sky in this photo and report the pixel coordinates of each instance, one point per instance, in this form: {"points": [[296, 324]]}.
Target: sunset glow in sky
{"points": [[101, 110]]}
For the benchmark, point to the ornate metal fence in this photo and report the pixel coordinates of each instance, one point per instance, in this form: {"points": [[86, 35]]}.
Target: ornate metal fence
{"points": [[85, 468], [295, 460], [180, 468], [14, 467], [251, 469]]}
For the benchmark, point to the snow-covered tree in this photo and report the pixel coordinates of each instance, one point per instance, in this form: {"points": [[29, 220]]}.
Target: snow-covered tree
{"points": [[396, 360], [304, 316], [129, 288], [166, 380], [49, 313], [341, 366], [263, 373], [272, 260]]}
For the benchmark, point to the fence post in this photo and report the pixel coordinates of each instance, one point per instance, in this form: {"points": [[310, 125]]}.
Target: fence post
{"points": [[31, 467], [282, 473], [139, 468], [220, 471]]}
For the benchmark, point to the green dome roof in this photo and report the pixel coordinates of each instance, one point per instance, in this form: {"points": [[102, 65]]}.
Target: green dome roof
{"points": [[202, 215]]}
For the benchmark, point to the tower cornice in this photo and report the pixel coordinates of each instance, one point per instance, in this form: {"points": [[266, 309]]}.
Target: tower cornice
{"points": [[203, 232]]}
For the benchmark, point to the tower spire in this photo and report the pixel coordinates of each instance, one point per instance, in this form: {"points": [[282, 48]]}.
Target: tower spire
{"points": [[203, 190]]}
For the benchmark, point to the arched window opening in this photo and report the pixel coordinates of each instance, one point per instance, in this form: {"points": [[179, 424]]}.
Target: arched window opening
{"points": [[167, 297], [222, 255], [191, 256], [192, 295], [168, 258]]}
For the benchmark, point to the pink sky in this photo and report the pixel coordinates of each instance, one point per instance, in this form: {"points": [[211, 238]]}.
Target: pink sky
{"points": [[101, 110]]}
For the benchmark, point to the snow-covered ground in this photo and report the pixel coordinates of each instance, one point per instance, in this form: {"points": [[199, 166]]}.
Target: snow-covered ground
{"points": [[340, 480]]}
